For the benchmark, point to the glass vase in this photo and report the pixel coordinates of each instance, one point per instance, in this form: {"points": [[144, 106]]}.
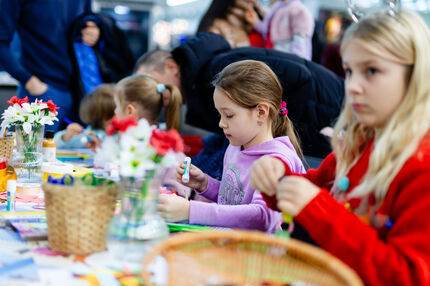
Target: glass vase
{"points": [[27, 159], [138, 226]]}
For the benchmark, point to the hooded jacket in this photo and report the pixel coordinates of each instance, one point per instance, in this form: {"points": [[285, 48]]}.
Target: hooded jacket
{"points": [[238, 204], [313, 94], [113, 57]]}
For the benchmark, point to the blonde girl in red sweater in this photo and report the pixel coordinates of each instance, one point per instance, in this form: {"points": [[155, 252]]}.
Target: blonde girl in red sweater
{"points": [[369, 201]]}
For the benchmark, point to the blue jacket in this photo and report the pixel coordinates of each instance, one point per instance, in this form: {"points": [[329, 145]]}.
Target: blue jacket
{"points": [[42, 27]]}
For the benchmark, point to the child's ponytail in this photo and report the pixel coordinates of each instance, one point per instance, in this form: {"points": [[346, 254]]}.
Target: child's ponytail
{"points": [[282, 126], [173, 115]]}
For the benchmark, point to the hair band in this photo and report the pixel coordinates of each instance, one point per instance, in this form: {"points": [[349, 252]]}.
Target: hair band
{"points": [[283, 109], [161, 87]]}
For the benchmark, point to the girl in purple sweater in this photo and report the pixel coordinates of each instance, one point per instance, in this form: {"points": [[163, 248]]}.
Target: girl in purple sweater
{"points": [[248, 97]]}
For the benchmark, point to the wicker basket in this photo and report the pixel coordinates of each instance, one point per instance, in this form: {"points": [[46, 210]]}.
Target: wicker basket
{"points": [[247, 258], [6, 147], [78, 216]]}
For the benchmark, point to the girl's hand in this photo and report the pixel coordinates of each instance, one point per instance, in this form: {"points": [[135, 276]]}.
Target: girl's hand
{"points": [[294, 193], [173, 208], [72, 130], [94, 143], [198, 179], [265, 174], [251, 17]]}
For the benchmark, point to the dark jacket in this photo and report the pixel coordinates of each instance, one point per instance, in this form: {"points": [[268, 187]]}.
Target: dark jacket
{"points": [[114, 57], [42, 27], [313, 94]]}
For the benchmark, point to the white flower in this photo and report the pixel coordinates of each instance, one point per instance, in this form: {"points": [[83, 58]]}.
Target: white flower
{"points": [[109, 151], [133, 165], [27, 127]]}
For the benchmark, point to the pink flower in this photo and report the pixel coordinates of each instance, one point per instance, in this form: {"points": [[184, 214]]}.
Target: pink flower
{"points": [[17, 100], [118, 125], [163, 141]]}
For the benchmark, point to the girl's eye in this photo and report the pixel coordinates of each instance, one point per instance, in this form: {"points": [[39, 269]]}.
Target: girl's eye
{"points": [[348, 71], [229, 116], [372, 71]]}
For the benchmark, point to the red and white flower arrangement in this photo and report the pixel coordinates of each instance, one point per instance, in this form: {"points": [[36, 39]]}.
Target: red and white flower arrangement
{"points": [[138, 148], [22, 112]]}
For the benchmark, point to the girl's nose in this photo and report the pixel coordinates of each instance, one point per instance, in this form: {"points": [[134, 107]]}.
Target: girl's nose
{"points": [[221, 124], [353, 85]]}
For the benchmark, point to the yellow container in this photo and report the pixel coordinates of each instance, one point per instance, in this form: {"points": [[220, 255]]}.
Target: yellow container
{"points": [[3, 166], [56, 170]]}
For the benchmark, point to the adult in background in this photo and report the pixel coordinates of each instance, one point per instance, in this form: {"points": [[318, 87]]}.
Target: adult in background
{"points": [[288, 27], [313, 94], [45, 68], [231, 19]]}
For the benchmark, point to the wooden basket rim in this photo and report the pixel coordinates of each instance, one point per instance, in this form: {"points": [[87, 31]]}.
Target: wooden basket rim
{"points": [[319, 256]]}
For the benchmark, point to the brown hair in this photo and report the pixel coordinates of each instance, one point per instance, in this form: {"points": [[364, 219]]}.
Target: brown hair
{"points": [[141, 90], [98, 107], [248, 83]]}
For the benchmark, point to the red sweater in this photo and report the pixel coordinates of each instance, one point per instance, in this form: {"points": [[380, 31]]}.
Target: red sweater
{"points": [[396, 255]]}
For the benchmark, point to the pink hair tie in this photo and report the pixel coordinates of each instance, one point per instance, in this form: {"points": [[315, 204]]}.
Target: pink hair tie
{"points": [[283, 109]]}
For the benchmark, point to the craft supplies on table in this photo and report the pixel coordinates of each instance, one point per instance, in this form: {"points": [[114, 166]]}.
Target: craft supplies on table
{"points": [[29, 225], [77, 157], [11, 195], [55, 170], [3, 166]]}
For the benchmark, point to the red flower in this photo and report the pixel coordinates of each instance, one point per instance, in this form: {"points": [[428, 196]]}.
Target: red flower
{"points": [[52, 107], [163, 141], [117, 125], [17, 100]]}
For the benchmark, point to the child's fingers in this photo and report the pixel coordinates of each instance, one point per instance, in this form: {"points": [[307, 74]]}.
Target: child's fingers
{"points": [[262, 178], [194, 171]]}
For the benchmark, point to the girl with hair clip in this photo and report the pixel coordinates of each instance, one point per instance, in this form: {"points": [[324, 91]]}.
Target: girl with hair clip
{"points": [[369, 202], [248, 96], [141, 96]]}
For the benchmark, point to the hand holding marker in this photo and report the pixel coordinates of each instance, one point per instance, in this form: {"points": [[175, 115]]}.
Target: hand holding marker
{"points": [[186, 174]]}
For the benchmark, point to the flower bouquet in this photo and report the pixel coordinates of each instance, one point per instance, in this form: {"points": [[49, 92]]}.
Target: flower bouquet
{"points": [[141, 152], [29, 120]]}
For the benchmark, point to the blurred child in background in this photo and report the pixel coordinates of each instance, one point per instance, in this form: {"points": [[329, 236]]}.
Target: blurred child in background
{"points": [[96, 109], [141, 96]]}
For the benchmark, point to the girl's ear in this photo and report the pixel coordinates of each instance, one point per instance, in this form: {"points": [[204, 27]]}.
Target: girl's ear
{"points": [[131, 110], [263, 111]]}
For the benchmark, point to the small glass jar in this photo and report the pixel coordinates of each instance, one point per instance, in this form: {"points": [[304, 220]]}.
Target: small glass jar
{"points": [[27, 159]]}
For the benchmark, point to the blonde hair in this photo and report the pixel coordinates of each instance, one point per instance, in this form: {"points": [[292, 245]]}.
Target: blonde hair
{"points": [[405, 39], [248, 83], [98, 107], [141, 91]]}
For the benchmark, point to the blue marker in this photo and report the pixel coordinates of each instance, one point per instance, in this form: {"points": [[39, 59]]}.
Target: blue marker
{"points": [[67, 120], [186, 174]]}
